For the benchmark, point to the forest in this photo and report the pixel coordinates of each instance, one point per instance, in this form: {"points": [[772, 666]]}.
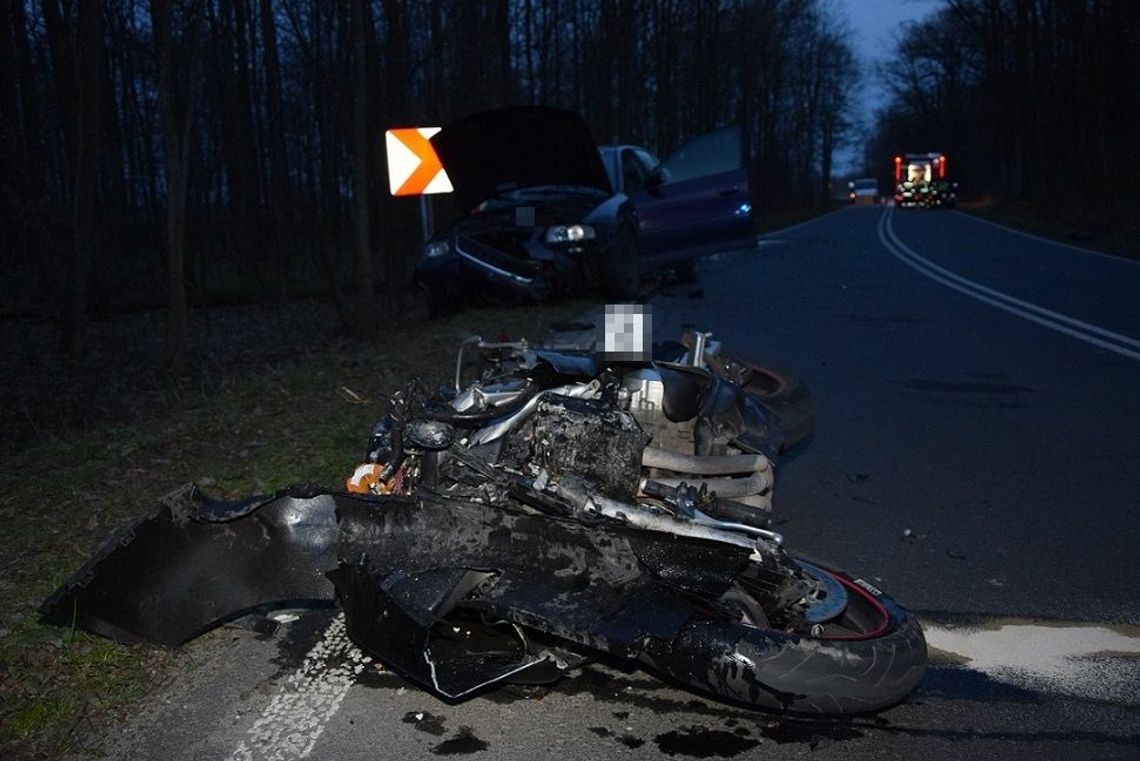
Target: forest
{"points": [[189, 153], [197, 152]]}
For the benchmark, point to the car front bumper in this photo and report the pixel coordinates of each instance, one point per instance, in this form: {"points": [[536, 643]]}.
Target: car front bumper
{"points": [[472, 269]]}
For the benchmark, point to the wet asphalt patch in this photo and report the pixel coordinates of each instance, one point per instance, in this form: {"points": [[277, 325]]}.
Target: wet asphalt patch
{"points": [[463, 743], [701, 742]]}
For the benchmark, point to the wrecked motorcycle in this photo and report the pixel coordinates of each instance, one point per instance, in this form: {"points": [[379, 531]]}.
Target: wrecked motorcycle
{"points": [[555, 507]]}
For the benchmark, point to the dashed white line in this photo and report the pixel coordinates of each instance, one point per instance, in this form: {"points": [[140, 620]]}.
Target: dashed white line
{"points": [[296, 716]]}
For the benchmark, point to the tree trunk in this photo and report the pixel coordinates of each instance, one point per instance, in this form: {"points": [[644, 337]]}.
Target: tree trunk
{"points": [[71, 42], [364, 322], [86, 155], [177, 118], [233, 108], [23, 187], [278, 167]]}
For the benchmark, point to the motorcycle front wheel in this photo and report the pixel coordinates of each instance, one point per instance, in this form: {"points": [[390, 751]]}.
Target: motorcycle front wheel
{"points": [[868, 658]]}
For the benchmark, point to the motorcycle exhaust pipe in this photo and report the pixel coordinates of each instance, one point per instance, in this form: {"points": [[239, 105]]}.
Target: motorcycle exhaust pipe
{"points": [[705, 465], [757, 483]]}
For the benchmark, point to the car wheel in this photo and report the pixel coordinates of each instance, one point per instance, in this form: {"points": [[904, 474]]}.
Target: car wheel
{"points": [[621, 270]]}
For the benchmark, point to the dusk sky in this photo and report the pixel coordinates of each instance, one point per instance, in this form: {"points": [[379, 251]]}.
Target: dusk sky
{"points": [[875, 25], [875, 22]]}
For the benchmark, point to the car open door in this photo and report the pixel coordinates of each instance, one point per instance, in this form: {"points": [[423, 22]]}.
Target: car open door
{"points": [[696, 202]]}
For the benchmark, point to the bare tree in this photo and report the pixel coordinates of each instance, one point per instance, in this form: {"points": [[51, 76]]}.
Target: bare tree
{"points": [[75, 36], [279, 195], [177, 92], [24, 202], [364, 322]]}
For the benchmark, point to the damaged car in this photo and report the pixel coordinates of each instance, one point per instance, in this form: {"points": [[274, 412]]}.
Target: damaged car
{"points": [[559, 505], [550, 213]]}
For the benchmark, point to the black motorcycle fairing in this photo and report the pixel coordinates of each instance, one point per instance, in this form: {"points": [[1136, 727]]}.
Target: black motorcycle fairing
{"points": [[413, 573], [181, 571], [194, 563], [409, 620], [584, 584]]}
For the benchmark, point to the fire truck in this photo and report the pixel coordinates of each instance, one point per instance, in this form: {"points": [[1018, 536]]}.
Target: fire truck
{"points": [[921, 181]]}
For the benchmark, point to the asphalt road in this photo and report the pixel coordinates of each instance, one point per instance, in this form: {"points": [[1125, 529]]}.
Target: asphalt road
{"points": [[976, 454]]}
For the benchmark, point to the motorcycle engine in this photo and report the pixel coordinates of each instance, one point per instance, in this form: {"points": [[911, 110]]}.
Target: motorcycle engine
{"points": [[582, 437]]}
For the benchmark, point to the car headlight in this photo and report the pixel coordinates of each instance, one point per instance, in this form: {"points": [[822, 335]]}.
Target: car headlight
{"points": [[436, 248], [569, 233]]}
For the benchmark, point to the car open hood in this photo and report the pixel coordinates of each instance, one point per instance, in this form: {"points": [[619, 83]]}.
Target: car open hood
{"points": [[493, 151]]}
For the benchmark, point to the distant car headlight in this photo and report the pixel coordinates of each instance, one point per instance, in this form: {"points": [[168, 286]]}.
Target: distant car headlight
{"points": [[436, 248], [569, 234]]}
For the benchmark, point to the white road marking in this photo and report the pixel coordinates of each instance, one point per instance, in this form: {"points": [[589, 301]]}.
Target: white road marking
{"points": [[1083, 331], [296, 716], [1084, 661]]}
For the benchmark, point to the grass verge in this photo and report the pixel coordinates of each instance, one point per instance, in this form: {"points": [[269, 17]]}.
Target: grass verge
{"points": [[1114, 230], [300, 419]]}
